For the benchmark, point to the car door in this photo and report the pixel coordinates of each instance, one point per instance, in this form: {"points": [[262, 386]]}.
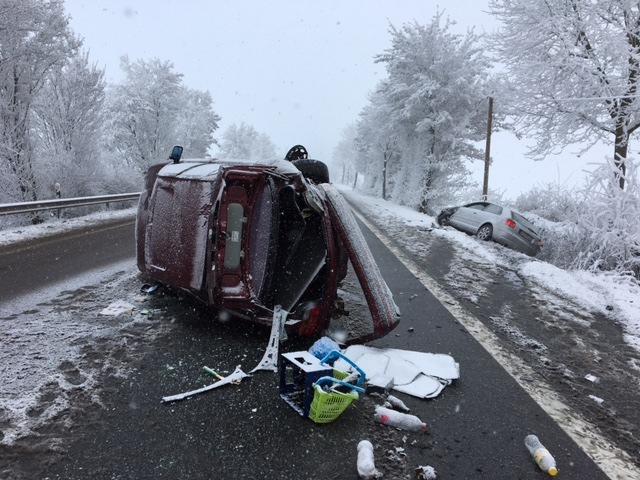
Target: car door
{"points": [[384, 311], [468, 217]]}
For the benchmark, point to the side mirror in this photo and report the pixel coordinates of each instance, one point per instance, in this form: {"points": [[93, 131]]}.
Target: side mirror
{"points": [[176, 154]]}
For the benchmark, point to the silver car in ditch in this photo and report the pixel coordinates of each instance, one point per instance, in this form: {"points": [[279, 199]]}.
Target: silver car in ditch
{"points": [[488, 221]]}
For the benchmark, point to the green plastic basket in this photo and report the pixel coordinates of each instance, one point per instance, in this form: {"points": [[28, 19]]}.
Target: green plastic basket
{"points": [[328, 406]]}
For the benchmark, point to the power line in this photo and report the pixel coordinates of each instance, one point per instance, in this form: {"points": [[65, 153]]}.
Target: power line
{"points": [[588, 98]]}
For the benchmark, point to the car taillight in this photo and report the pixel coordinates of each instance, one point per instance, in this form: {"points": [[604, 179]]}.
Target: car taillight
{"points": [[510, 223], [310, 323]]}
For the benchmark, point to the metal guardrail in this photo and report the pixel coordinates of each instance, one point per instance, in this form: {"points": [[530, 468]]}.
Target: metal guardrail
{"points": [[27, 207]]}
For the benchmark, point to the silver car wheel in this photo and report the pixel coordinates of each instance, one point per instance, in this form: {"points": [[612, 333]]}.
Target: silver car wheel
{"points": [[485, 232]]}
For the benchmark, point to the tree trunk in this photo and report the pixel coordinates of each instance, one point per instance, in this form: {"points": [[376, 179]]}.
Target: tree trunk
{"points": [[620, 151], [384, 177]]}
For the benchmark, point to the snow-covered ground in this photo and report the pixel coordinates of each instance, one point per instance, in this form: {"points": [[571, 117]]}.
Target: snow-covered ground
{"points": [[51, 337], [615, 295], [54, 225]]}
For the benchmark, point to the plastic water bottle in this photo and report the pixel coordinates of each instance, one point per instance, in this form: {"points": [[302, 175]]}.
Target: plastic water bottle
{"points": [[541, 455], [395, 402], [400, 420], [366, 464]]}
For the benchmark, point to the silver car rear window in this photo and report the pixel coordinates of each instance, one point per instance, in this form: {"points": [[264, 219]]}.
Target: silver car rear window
{"points": [[522, 221]]}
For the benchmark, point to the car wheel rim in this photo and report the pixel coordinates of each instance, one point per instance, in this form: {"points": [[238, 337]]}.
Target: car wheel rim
{"points": [[484, 233]]}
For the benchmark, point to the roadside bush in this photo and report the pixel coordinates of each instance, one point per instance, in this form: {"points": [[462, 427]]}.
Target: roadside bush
{"points": [[595, 228]]}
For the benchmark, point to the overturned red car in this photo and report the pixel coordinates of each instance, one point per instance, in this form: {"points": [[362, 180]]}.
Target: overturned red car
{"points": [[245, 237]]}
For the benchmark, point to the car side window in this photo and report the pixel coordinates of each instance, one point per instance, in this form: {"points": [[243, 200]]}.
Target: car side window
{"points": [[491, 208], [476, 206]]}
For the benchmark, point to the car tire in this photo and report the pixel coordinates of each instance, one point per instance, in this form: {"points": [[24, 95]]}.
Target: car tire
{"points": [[485, 232], [314, 170], [443, 219]]}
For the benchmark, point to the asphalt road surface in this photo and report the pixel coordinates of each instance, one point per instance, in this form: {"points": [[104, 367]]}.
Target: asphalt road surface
{"points": [[41, 262], [477, 425]]}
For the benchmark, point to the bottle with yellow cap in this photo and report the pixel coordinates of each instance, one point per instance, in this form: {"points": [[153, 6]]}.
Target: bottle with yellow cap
{"points": [[541, 455]]}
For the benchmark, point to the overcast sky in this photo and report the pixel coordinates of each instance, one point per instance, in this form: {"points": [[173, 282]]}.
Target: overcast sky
{"points": [[298, 71]]}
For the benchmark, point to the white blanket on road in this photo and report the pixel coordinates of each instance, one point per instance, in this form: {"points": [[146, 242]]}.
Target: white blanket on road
{"points": [[422, 375]]}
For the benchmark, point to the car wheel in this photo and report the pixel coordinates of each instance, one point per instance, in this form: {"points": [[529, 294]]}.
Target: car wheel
{"points": [[485, 232], [443, 219], [313, 170]]}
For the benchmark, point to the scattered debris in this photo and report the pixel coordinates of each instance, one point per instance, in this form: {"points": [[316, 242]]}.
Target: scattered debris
{"points": [[314, 389], [426, 473], [234, 378], [541, 455], [270, 359], [298, 372], [423, 375], [211, 372], [379, 384], [598, 400], [118, 307], [402, 421], [322, 347], [148, 288], [396, 403], [366, 463], [592, 378]]}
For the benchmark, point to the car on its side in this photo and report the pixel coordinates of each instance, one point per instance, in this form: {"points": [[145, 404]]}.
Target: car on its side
{"points": [[488, 221], [248, 237]]}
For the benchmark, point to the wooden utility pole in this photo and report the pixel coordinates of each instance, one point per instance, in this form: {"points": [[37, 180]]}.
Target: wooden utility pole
{"points": [[487, 151]]}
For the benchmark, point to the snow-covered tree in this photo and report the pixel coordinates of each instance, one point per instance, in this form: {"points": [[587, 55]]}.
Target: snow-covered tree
{"points": [[429, 113], [344, 157], [575, 71], [197, 122], [151, 111], [68, 125], [35, 40], [377, 142], [244, 142]]}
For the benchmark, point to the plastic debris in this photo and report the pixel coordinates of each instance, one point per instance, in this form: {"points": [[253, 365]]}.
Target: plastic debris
{"points": [[366, 463], [598, 400], [426, 473], [592, 378], [322, 347], [400, 420], [118, 307], [380, 384], [211, 372], [148, 288], [234, 378], [423, 375], [270, 358], [541, 455], [396, 404]]}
